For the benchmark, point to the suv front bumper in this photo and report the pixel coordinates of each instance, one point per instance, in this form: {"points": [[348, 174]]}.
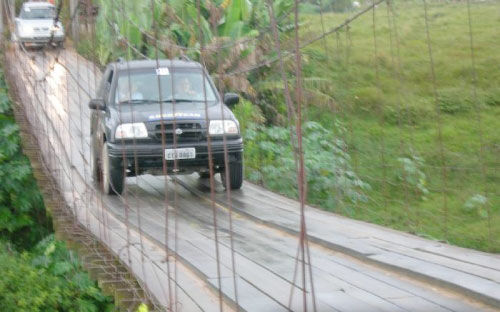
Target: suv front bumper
{"points": [[40, 40], [149, 156]]}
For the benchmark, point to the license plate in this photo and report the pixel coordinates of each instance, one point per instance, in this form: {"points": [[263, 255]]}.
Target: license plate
{"points": [[180, 153]]}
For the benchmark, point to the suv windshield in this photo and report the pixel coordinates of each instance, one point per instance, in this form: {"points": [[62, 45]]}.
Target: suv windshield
{"points": [[38, 13], [142, 86]]}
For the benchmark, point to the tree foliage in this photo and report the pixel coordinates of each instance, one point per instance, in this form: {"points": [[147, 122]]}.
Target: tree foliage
{"points": [[237, 29]]}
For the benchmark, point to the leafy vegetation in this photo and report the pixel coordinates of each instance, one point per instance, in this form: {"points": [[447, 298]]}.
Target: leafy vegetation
{"points": [[233, 28], [22, 214], [331, 180], [412, 175], [49, 278], [38, 273]]}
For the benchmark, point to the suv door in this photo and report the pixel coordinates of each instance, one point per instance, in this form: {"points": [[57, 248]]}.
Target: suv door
{"points": [[102, 93], [97, 116]]}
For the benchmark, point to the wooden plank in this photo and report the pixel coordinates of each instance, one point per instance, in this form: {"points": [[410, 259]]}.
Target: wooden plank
{"points": [[487, 290]]}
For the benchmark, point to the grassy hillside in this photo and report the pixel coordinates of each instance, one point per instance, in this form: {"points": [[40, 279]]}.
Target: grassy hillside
{"points": [[393, 118]]}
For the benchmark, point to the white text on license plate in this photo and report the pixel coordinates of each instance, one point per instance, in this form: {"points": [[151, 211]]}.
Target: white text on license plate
{"points": [[180, 153]]}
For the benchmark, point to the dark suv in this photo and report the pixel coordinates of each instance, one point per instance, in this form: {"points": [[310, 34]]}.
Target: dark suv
{"points": [[158, 118]]}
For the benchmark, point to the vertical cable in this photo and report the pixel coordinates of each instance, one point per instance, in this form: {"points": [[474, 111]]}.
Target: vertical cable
{"points": [[164, 163], [477, 109], [438, 119], [211, 164], [227, 167], [380, 109], [397, 76]]}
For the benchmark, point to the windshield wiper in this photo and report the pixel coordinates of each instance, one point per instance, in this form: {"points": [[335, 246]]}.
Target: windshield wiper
{"points": [[137, 101], [177, 100], [184, 100]]}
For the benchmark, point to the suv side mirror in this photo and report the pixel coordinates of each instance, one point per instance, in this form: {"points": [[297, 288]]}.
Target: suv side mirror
{"points": [[231, 99], [97, 104]]}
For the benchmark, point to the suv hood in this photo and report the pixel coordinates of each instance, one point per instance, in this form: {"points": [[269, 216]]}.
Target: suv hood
{"points": [[42, 23], [183, 111]]}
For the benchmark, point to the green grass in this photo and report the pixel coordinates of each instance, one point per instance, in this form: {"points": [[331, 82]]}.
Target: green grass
{"points": [[390, 118]]}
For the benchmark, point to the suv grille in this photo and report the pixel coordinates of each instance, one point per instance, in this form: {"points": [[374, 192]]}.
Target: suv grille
{"points": [[191, 132]]}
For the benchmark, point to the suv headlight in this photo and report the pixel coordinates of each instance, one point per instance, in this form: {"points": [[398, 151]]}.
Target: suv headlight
{"points": [[131, 130], [25, 30], [216, 128]]}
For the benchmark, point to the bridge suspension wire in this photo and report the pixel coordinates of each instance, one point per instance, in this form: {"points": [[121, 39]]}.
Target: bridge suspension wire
{"points": [[295, 117], [477, 111], [432, 74], [379, 167], [395, 63], [171, 301], [130, 193], [227, 171]]}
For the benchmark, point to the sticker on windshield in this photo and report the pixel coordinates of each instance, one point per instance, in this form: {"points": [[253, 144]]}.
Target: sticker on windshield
{"points": [[162, 71]]}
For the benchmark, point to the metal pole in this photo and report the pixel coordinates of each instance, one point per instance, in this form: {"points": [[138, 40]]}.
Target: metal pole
{"points": [[75, 27]]}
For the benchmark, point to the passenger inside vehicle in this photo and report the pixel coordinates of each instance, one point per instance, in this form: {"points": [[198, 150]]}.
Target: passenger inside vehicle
{"points": [[184, 89]]}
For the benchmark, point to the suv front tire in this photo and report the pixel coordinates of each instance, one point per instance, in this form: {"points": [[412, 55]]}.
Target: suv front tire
{"points": [[235, 176], [112, 178]]}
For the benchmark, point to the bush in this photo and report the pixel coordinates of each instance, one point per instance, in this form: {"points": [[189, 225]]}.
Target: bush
{"points": [[22, 214], [412, 175], [454, 100], [247, 114], [408, 113], [331, 181], [477, 203], [492, 98], [368, 99], [22, 288], [48, 279]]}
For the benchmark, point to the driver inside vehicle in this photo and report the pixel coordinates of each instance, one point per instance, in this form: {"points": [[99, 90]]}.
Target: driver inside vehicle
{"points": [[125, 94]]}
